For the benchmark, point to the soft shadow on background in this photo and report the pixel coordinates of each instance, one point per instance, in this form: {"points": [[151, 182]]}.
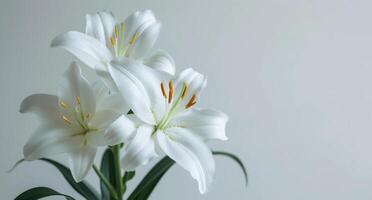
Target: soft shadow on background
{"points": [[294, 76]]}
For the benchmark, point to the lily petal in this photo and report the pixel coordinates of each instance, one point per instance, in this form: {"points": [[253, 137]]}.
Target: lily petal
{"points": [[132, 90], [47, 141], [86, 48], [81, 161], [45, 106], [140, 150], [136, 20], [206, 123], [161, 60], [121, 130], [147, 33], [193, 79], [75, 90], [189, 152], [100, 26]]}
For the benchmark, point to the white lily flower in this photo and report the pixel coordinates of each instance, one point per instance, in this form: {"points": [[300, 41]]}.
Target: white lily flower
{"points": [[167, 119], [74, 122], [105, 39]]}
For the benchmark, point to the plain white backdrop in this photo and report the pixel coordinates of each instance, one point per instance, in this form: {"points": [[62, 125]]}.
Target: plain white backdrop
{"points": [[293, 75]]}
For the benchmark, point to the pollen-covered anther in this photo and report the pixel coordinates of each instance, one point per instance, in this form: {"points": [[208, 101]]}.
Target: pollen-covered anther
{"points": [[170, 95], [133, 39], [113, 41], [184, 89], [66, 120], [163, 90], [63, 104], [191, 102]]}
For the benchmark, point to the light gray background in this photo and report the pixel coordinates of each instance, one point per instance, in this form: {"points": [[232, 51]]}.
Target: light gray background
{"points": [[294, 76]]}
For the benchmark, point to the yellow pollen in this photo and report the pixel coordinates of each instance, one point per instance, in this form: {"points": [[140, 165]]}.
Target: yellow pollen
{"points": [[113, 41], [116, 31], [191, 102], [78, 101], [66, 119], [184, 89], [133, 39], [163, 90], [170, 95], [63, 104]]}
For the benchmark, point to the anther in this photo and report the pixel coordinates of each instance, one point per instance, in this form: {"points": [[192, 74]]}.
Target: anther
{"points": [[163, 90], [133, 39], [63, 104], [191, 102], [113, 41], [66, 119], [184, 88], [170, 95]]}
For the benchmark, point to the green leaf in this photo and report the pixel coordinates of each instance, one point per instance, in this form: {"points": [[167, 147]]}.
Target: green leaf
{"points": [[83, 188], [148, 183], [40, 192], [108, 170], [236, 159]]}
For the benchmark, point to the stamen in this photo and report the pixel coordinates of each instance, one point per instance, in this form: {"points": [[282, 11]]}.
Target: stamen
{"points": [[191, 102], [116, 31], [63, 104], [170, 85], [113, 41], [184, 88], [163, 90], [78, 101], [66, 120], [133, 39]]}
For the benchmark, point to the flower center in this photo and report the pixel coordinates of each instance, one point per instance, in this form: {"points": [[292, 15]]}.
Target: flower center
{"points": [[174, 103], [77, 115], [117, 40]]}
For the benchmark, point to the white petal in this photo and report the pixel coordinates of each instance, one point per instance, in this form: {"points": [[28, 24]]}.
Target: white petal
{"points": [[103, 118], [136, 20], [190, 153], [140, 150], [150, 80], [86, 48], [44, 106], [119, 131], [101, 91], [147, 35], [132, 90], [48, 141], [101, 26], [74, 88], [194, 80], [114, 102], [81, 161], [206, 123], [161, 60]]}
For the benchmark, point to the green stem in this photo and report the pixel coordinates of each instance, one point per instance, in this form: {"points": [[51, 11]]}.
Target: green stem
{"points": [[119, 182], [106, 182]]}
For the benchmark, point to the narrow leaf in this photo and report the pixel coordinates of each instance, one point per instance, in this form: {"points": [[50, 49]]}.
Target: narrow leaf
{"points": [[237, 160], [127, 177], [83, 188], [40, 192], [108, 170], [148, 183]]}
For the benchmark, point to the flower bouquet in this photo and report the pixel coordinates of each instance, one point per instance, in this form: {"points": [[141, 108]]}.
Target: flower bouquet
{"points": [[139, 110]]}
